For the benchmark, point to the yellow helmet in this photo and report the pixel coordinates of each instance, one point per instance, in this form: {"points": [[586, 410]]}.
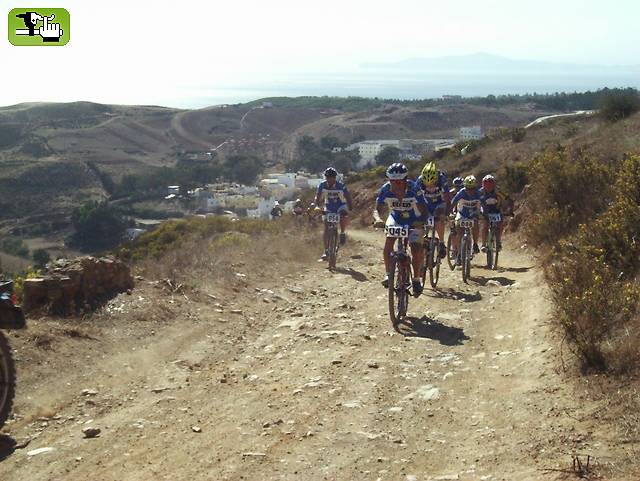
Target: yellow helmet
{"points": [[429, 174]]}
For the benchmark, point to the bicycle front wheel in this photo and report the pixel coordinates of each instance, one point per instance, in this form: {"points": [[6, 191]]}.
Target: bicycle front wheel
{"points": [[398, 291], [465, 258], [434, 262], [333, 248], [451, 259]]}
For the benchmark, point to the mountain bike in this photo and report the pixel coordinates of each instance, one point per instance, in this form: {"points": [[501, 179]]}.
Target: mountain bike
{"points": [[452, 255], [493, 239], [466, 248], [332, 220], [399, 274], [11, 317], [432, 259]]}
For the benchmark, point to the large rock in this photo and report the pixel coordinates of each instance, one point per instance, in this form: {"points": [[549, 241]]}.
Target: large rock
{"points": [[71, 286]]}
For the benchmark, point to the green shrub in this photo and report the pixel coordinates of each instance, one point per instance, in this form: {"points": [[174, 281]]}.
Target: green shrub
{"points": [[618, 104], [514, 178], [594, 278], [518, 134], [15, 246], [173, 234], [566, 191]]}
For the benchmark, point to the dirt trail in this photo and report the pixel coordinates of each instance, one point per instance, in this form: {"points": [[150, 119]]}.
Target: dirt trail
{"points": [[311, 382]]}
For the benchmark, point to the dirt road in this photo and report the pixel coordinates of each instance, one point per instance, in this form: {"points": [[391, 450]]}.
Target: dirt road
{"points": [[308, 382]]}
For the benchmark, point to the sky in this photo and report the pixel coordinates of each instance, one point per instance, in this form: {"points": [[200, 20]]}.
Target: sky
{"points": [[161, 52]]}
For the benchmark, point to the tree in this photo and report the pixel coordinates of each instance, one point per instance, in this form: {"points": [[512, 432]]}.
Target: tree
{"points": [[618, 104], [329, 142], [243, 169], [97, 226], [388, 155], [40, 258]]}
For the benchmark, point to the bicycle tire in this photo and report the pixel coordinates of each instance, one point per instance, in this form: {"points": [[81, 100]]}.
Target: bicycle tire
{"points": [[425, 261], [466, 262], [333, 248], [392, 293], [435, 261], [450, 260], [490, 249], [496, 251], [7, 380]]}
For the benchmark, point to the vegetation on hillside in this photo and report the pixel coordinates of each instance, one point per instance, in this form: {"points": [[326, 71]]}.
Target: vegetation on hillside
{"points": [[172, 234], [562, 101], [315, 157], [586, 214], [97, 226]]}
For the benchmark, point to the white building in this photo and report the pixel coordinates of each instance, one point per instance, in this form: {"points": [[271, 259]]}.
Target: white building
{"points": [[471, 133], [173, 189], [368, 149], [263, 210]]}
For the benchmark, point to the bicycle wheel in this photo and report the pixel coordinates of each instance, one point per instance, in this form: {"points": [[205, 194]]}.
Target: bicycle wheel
{"points": [[333, 248], [425, 260], [451, 260], [490, 248], [434, 261], [496, 251], [398, 294], [7, 379], [465, 260]]}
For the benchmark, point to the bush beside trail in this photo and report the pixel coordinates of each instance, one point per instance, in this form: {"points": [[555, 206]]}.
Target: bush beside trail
{"points": [[586, 215]]}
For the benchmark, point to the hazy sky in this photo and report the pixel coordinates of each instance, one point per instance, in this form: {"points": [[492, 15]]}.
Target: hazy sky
{"points": [[158, 52]]}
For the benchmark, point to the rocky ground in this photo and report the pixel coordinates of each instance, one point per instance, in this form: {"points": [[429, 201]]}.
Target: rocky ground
{"points": [[296, 373]]}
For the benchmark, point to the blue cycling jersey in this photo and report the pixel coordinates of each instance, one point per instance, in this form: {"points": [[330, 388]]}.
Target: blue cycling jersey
{"points": [[405, 210], [334, 197], [468, 203], [435, 194]]}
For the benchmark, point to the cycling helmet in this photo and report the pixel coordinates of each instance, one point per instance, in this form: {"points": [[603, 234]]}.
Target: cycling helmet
{"points": [[397, 171], [488, 181], [458, 182], [330, 172], [429, 174], [470, 182]]}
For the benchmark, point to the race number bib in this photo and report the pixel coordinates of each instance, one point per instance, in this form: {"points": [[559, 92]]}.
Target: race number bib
{"points": [[397, 231], [333, 218], [494, 218], [430, 221]]}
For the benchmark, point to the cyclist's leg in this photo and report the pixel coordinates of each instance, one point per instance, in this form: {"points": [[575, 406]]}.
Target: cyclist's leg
{"points": [[439, 214], [344, 222], [475, 232], [416, 234], [386, 253]]}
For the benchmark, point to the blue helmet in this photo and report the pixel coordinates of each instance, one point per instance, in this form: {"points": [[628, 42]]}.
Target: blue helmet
{"points": [[397, 171]]}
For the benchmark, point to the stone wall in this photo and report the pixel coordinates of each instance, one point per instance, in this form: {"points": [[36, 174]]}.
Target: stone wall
{"points": [[73, 286]]}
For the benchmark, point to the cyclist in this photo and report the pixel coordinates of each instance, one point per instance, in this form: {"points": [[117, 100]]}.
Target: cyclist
{"points": [[432, 184], [493, 201], [406, 207], [298, 211], [276, 211], [467, 204], [312, 214], [458, 183], [337, 200]]}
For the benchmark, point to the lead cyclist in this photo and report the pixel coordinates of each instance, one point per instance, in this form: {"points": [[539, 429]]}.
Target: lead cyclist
{"points": [[406, 208]]}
